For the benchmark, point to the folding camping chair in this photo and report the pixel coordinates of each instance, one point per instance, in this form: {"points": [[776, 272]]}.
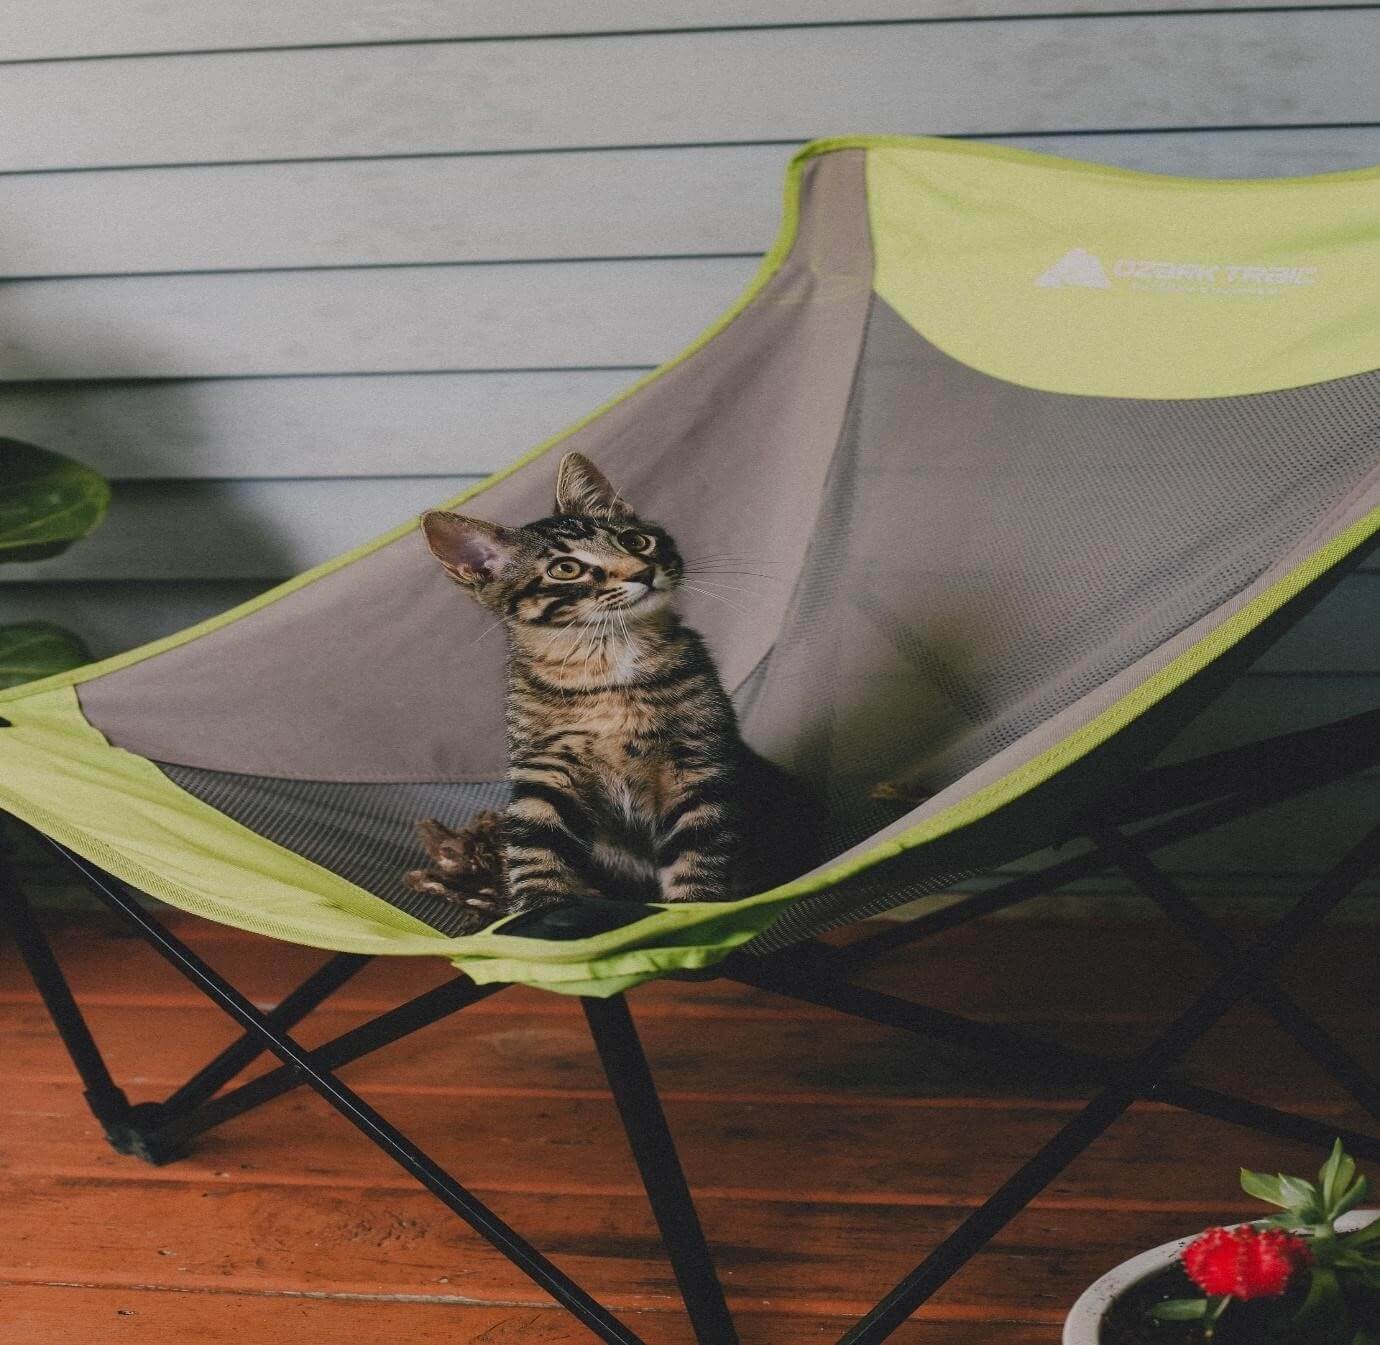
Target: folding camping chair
{"points": [[1043, 455]]}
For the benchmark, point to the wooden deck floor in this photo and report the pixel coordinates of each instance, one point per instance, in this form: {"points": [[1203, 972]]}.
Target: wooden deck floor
{"points": [[826, 1155]]}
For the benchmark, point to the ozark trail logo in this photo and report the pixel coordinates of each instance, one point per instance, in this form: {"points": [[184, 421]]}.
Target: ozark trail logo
{"points": [[1076, 267], [1084, 269]]}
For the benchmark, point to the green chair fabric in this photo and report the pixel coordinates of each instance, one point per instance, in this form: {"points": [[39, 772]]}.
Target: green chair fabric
{"points": [[1018, 456]]}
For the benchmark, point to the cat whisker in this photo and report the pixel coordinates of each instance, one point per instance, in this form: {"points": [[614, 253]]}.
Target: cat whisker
{"points": [[749, 574], [719, 597], [624, 632], [734, 558], [488, 630], [602, 629], [576, 641], [722, 563], [732, 588]]}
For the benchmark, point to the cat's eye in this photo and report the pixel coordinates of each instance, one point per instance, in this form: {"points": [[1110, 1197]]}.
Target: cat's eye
{"points": [[564, 569], [636, 542]]}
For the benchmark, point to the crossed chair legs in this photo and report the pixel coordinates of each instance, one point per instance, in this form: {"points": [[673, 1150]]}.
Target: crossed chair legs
{"points": [[815, 973], [1122, 1082], [157, 1131]]}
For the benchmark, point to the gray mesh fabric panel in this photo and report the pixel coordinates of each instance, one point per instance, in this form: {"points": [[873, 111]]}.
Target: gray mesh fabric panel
{"points": [[987, 555], [379, 670], [363, 832]]}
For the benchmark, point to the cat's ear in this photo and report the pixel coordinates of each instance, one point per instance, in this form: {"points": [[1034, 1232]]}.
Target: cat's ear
{"points": [[472, 551], [581, 488]]}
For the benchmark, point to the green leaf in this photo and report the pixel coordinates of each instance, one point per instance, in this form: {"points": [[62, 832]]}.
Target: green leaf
{"points": [[1180, 1310], [1335, 1178], [1304, 1199], [1351, 1197], [1263, 1187], [47, 501], [1331, 1170], [33, 649]]}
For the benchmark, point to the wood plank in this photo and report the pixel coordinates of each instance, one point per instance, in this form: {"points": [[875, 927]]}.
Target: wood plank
{"points": [[520, 316], [58, 29], [216, 1231], [45, 1314], [419, 425], [238, 529], [429, 424], [995, 970], [1258, 865], [1261, 707], [1285, 67], [288, 1208], [519, 1055], [816, 1153], [115, 617], [1339, 634], [1242, 153], [624, 203]]}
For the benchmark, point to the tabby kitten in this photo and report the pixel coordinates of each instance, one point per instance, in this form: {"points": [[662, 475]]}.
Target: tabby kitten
{"points": [[629, 779]]}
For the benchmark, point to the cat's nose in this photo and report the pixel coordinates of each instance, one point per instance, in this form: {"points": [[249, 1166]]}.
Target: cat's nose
{"points": [[646, 575]]}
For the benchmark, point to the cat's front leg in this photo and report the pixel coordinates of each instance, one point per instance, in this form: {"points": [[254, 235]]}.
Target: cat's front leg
{"points": [[697, 844], [548, 832]]}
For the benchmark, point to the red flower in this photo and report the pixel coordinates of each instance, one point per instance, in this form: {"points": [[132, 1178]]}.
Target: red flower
{"points": [[1243, 1262]]}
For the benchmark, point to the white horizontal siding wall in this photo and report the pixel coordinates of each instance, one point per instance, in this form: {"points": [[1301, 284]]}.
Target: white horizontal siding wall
{"points": [[289, 270]]}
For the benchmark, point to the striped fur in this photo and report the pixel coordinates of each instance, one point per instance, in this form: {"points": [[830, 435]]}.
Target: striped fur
{"points": [[629, 778]]}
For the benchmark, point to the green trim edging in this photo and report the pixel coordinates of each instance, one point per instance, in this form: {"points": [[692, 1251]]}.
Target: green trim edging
{"points": [[118, 809]]}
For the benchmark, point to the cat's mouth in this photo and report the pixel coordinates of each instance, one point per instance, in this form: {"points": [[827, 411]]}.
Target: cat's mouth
{"points": [[650, 596]]}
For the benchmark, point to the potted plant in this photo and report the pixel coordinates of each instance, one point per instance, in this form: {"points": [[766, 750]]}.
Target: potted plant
{"points": [[1308, 1275], [47, 502]]}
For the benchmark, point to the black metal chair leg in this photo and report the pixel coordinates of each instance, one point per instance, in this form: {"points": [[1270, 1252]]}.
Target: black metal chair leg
{"points": [[387, 1137], [973, 1234], [431, 1006], [159, 1131], [107, 1100], [1334, 1059], [1339, 750], [323, 982], [634, 1091], [814, 981]]}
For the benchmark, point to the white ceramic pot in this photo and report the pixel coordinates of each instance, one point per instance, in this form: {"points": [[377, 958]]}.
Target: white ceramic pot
{"points": [[1084, 1322]]}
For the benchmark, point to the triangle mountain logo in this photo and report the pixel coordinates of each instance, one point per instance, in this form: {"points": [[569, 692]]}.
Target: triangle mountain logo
{"points": [[1075, 267]]}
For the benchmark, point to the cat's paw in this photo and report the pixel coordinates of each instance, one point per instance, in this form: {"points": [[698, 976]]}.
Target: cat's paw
{"points": [[476, 904], [473, 851], [482, 894], [466, 867]]}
